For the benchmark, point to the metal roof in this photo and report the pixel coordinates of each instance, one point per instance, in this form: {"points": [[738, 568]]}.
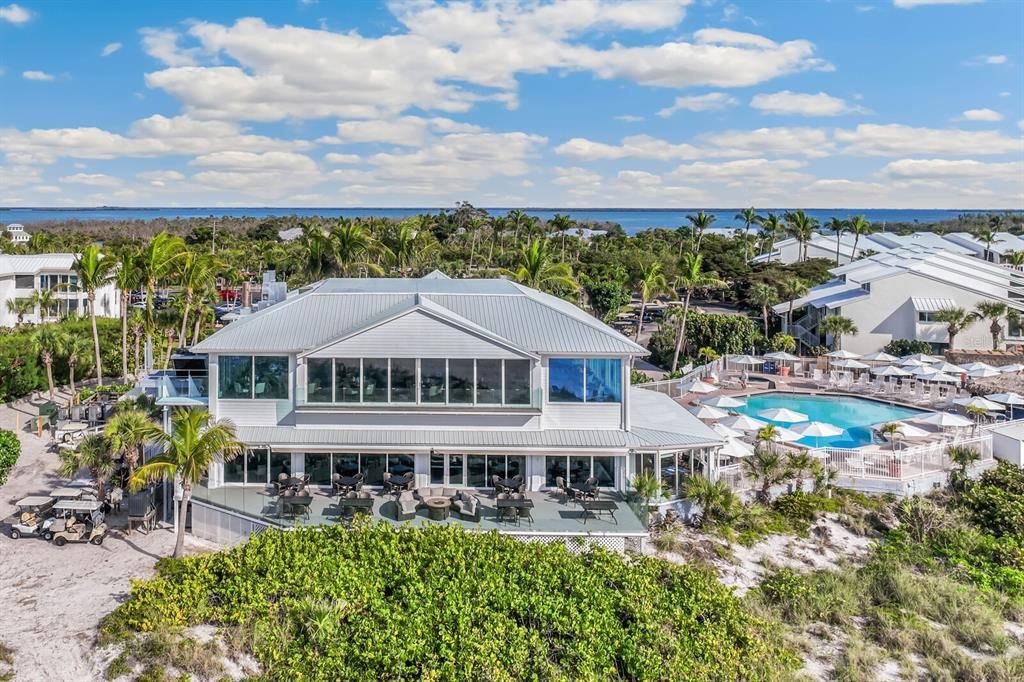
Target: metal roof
{"points": [[931, 305], [831, 294], [334, 308], [34, 264]]}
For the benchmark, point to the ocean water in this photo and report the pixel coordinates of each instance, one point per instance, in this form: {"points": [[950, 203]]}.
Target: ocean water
{"points": [[631, 220], [854, 415]]}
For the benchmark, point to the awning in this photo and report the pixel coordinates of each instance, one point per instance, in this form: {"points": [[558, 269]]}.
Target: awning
{"points": [[932, 305]]}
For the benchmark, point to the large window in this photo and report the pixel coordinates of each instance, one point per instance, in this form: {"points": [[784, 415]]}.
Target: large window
{"points": [[576, 470], [488, 382], [403, 380], [319, 380], [575, 380], [234, 376], [460, 381], [251, 467], [346, 380], [375, 380], [433, 372], [270, 377], [24, 281], [517, 382]]}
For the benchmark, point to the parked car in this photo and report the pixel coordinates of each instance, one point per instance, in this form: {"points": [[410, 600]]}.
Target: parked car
{"points": [[32, 513]]}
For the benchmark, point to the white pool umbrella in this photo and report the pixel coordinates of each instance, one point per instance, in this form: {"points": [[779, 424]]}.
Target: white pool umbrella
{"points": [[842, 355], [1007, 398], [697, 386], [746, 360], [978, 401], [724, 401], [942, 378], [923, 357], [880, 357], [890, 371], [781, 414], [906, 430], [971, 366], [984, 373], [707, 412], [736, 448], [924, 371], [725, 431], [850, 364], [782, 356], [743, 423], [784, 435], [911, 362], [944, 420], [817, 430], [1015, 367], [948, 367]]}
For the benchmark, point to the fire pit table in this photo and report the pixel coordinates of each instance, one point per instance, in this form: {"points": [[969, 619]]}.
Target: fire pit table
{"points": [[437, 507]]}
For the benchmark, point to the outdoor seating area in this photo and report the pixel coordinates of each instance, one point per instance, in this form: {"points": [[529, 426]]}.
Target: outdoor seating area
{"points": [[583, 508]]}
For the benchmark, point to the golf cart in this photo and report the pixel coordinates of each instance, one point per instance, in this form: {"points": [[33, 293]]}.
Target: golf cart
{"points": [[31, 516], [76, 521]]}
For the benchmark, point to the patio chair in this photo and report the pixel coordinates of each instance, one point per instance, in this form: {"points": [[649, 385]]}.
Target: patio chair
{"points": [[505, 513], [467, 505], [407, 505], [524, 513], [498, 487], [562, 488]]}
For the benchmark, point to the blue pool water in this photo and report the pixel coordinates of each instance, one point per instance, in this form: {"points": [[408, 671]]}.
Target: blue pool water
{"points": [[854, 415]]}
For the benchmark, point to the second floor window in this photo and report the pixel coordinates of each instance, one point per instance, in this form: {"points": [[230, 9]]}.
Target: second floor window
{"points": [[591, 380], [247, 377]]}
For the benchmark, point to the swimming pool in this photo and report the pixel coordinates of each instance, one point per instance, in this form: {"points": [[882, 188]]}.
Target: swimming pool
{"points": [[854, 415]]}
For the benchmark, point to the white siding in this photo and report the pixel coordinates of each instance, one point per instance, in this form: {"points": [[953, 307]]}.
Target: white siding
{"points": [[582, 416], [255, 412]]}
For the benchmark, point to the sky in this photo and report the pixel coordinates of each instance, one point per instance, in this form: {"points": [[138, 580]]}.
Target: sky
{"points": [[578, 103]]}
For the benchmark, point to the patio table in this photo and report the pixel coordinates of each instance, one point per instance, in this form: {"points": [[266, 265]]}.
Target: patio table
{"points": [[500, 505], [349, 506], [346, 482], [437, 507], [295, 504], [597, 507], [510, 483]]}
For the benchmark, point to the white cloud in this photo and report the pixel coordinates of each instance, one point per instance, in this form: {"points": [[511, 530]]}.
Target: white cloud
{"points": [[981, 115], [161, 178], [899, 140], [408, 131], [162, 44], [632, 147], [946, 168], [987, 60], [37, 76], [251, 161], [910, 4], [709, 102], [92, 179], [110, 49], [17, 175], [341, 158], [629, 118], [1020, 124], [791, 103], [743, 172], [14, 14], [575, 175]]}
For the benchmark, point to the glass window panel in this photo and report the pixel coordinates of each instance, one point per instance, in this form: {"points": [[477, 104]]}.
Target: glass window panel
{"points": [[234, 376], [437, 469], [270, 377], [604, 470], [495, 467], [565, 384], [399, 465], [403, 380], [256, 466], [456, 474], [318, 380], [554, 467], [516, 466], [488, 382], [517, 382], [432, 379], [280, 463], [318, 466], [24, 281], [669, 473], [579, 469], [372, 467], [234, 470], [346, 465], [375, 380], [476, 466], [604, 380], [460, 381], [346, 380]]}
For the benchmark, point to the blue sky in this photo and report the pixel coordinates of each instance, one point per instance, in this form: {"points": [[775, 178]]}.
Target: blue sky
{"points": [[650, 103]]}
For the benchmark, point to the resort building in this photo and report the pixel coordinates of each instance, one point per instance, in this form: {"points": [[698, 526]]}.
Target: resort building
{"points": [[17, 234], [24, 278], [895, 295], [454, 381], [825, 246]]}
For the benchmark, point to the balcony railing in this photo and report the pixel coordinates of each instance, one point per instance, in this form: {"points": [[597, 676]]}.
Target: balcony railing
{"points": [[192, 386]]}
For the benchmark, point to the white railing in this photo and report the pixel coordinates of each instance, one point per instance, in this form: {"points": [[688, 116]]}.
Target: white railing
{"points": [[670, 387], [903, 463]]}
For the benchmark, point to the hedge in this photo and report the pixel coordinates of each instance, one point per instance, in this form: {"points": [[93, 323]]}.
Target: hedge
{"points": [[10, 449]]}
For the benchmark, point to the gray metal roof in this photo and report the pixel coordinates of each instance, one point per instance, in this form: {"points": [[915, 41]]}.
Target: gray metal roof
{"points": [[333, 308], [33, 264], [661, 420]]}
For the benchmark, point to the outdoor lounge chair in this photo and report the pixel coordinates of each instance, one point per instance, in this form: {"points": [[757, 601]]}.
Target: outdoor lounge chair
{"points": [[562, 488], [407, 505], [467, 505]]}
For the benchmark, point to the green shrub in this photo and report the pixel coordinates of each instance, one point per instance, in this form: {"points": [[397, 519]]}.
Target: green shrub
{"points": [[803, 507], [444, 603], [903, 347], [10, 449], [996, 502]]}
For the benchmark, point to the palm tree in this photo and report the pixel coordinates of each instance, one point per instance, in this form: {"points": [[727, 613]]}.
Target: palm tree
{"points": [[94, 271], [198, 272], [196, 441], [692, 277], [167, 321], [95, 454], [767, 466], [75, 350], [517, 220], [994, 312], [47, 302], [800, 464], [47, 341], [407, 244], [717, 502], [837, 327], [129, 432], [859, 227], [537, 270], [771, 228], [700, 222], [987, 237], [956, 320], [650, 282], [20, 307], [891, 429], [157, 261], [137, 322], [839, 227], [963, 456], [562, 223], [316, 249], [749, 217], [801, 227], [763, 296], [791, 289], [354, 249], [767, 436], [127, 278]]}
